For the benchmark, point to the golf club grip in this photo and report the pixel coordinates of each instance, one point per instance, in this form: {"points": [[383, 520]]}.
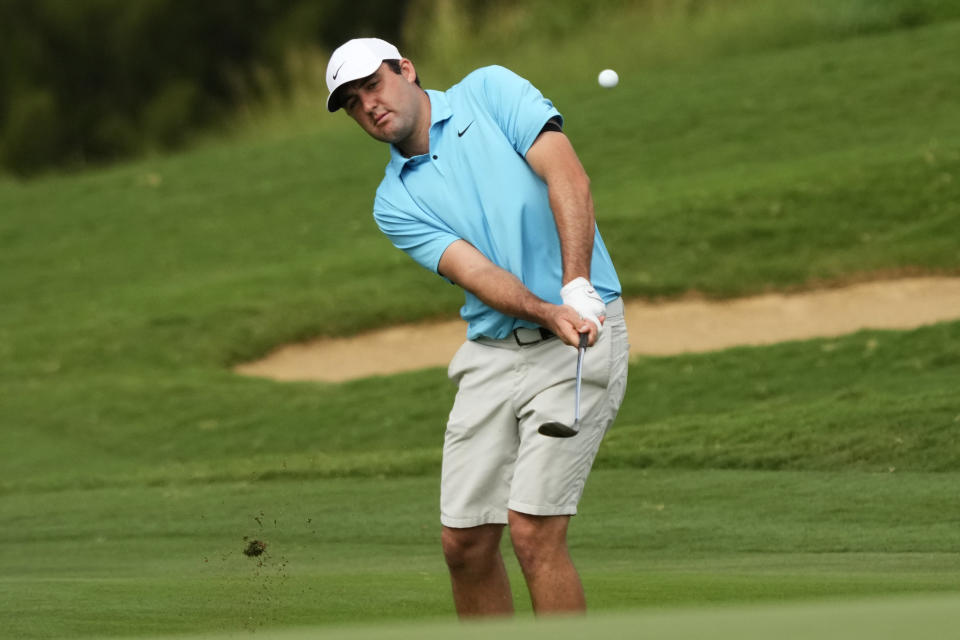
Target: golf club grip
{"points": [[584, 338]]}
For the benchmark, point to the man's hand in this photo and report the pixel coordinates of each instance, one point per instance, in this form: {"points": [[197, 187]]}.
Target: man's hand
{"points": [[580, 294], [567, 324]]}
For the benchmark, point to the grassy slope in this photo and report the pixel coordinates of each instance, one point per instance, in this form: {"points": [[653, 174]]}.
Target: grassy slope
{"points": [[126, 291], [807, 172], [133, 462], [729, 177], [872, 401]]}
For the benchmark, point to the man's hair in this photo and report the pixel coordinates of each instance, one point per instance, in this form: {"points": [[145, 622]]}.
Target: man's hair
{"points": [[395, 67]]}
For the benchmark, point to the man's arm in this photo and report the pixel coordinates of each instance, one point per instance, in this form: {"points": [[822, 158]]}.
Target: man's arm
{"points": [[464, 265], [553, 159]]}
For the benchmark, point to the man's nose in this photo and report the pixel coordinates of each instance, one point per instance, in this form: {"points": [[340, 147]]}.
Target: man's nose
{"points": [[369, 101]]}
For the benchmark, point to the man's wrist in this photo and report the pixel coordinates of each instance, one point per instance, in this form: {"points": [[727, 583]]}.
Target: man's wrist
{"points": [[580, 294], [573, 284]]}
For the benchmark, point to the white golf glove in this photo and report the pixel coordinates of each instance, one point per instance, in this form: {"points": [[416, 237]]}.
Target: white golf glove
{"points": [[580, 294]]}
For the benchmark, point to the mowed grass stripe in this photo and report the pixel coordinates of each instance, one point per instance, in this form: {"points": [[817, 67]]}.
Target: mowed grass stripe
{"points": [[920, 617], [98, 562]]}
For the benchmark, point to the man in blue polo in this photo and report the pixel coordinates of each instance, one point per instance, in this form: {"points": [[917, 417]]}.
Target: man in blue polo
{"points": [[484, 189]]}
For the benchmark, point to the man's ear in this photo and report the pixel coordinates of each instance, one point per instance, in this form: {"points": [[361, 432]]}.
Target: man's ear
{"points": [[408, 71]]}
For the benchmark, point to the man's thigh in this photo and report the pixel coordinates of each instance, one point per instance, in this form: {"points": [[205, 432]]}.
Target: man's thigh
{"points": [[480, 445], [550, 473], [494, 459]]}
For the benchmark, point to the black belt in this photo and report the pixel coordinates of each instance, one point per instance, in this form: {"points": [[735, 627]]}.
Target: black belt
{"points": [[526, 337]]}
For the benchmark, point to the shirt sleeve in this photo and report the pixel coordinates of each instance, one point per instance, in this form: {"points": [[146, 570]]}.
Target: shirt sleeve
{"points": [[415, 233], [516, 105]]}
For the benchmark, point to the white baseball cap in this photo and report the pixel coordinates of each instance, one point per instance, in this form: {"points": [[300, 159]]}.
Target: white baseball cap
{"points": [[356, 59]]}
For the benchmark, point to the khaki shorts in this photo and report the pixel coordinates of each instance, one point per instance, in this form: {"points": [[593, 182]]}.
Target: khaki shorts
{"points": [[493, 457]]}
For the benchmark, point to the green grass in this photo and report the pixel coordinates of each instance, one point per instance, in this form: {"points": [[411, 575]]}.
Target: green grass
{"points": [[143, 528], [926, 618], [778, 169], [871, 401], [134, 463], [167, 559]]}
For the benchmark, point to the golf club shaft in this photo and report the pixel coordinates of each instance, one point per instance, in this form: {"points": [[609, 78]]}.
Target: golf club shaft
{"points": [[582, 350]]}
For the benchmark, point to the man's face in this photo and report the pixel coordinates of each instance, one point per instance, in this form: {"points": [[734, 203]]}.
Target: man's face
{"points": [[386, 105]]}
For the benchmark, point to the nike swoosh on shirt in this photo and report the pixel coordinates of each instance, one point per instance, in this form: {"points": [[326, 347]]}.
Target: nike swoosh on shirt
{"points": [[460, 133], [338, 70]]}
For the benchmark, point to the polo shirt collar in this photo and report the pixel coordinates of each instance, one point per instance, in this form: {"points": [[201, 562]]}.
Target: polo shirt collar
{"points": [[439, 111]]}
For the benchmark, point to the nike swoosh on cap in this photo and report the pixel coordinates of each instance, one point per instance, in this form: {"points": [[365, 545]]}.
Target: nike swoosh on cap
{"points": [[338, 69]]}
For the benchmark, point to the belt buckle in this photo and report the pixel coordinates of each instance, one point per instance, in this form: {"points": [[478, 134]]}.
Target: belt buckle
{"points": [[545, 334]]}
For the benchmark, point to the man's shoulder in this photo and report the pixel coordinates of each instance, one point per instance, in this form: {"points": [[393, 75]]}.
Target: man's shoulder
{"points": [[490, 71], [481, 79], [391, 198], [387, 187]]}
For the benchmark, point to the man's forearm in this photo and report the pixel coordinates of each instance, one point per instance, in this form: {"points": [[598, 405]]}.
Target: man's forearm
{"points": [[499, 289], [553, 158], [572, 207]]}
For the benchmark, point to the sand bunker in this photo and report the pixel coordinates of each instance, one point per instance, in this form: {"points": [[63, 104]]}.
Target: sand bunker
{"points": [[662, 328]]}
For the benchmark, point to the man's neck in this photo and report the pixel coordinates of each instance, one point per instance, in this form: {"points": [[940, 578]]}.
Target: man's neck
{"points": [[419, 141]]}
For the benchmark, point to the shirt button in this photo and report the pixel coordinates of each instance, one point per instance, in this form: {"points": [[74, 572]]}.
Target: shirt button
{"points": [[435, 157]]}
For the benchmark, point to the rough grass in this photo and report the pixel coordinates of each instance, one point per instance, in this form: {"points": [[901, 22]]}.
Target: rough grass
{"points": [[874, 401]]}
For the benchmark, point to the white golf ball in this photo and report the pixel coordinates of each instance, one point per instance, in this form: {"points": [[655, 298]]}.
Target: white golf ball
{"points": [[608, 78]]}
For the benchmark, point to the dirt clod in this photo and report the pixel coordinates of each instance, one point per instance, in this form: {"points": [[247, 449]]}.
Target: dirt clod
{"points": [[255, 548]]}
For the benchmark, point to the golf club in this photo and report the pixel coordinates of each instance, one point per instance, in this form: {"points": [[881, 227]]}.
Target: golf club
{"points": [[558, 429]]}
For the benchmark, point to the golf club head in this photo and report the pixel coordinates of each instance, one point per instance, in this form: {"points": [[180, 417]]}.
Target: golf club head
{"points": [[558, 430]]}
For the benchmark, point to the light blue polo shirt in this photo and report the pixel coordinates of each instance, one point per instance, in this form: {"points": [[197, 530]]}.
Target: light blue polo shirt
{"points": [[475, 185]]}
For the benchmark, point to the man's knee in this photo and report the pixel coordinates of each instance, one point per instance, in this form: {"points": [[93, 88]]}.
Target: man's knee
{"points": [[475, 546], [538, 539]]}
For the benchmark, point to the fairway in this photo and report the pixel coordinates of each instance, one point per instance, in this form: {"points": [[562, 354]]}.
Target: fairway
{"points": [[918, 617], [799, 489], [168, 558]]}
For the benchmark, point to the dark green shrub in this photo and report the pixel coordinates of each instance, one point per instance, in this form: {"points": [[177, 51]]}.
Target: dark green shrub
{"points": [[31, 132], [97, 80]]}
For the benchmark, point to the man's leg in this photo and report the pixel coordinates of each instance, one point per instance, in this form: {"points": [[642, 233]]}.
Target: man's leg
{"points": [[550, 473], [540, 543], [477, 573]]}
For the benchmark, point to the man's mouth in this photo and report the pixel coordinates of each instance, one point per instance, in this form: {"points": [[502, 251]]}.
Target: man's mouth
{"points": [[378, 119]]}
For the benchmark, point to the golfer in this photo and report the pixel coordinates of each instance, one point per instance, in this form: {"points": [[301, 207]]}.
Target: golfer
{"points": [[484, 189]]}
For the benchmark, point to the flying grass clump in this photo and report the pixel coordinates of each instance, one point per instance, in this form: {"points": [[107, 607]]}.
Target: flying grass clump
{"points": [[255, 548]]}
